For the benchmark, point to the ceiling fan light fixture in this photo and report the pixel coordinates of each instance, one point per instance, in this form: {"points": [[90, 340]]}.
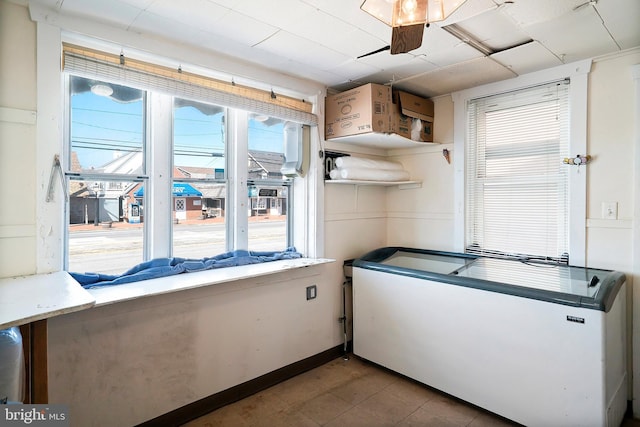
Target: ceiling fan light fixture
{"points": [[397, 13]]}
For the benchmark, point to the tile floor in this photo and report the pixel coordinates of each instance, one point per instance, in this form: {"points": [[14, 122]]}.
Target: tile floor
{"points": [[349, 393]]}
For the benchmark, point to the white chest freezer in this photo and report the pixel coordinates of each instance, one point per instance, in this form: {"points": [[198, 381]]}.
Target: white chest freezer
{"points": [[542, 345]]}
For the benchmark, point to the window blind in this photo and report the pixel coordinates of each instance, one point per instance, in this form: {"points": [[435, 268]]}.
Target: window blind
{"points": [[142, 75], [516, 182]]}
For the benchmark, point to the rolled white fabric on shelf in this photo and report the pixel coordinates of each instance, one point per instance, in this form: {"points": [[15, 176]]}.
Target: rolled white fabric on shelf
{"points": [[348, 162], [368, 174], [334, 174]]}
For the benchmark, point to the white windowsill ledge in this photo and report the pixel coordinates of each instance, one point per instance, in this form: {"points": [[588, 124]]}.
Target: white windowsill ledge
{"points": [[164, 285], [28, 299]]}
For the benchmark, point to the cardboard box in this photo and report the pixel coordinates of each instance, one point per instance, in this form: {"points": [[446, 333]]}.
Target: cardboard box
{"points": [[361, 110], [412, 115]]}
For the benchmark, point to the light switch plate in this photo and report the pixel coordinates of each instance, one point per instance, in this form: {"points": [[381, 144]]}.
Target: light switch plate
{"points": [[610, 210]]}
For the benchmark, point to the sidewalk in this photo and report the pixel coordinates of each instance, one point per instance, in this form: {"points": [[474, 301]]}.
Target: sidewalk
{"points": [[127, 225]]}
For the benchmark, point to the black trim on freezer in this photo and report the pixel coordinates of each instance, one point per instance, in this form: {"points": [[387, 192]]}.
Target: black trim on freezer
{"points": [[610, 281]]}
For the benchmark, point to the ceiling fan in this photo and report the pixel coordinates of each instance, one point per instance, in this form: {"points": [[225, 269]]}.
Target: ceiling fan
{"points": [[407, 19]]}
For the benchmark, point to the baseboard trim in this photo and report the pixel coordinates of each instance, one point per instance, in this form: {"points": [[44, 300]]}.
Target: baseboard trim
{"points": [[215, 401]]}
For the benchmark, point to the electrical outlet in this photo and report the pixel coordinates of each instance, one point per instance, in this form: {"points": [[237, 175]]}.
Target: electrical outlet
{"points": [[312, 292], [610, 210]]}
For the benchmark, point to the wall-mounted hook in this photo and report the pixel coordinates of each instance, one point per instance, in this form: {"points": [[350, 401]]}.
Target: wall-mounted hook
{"points": [[446, 155]]}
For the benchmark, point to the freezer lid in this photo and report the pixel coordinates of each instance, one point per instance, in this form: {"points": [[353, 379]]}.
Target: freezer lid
{"points": [[576, 286]]}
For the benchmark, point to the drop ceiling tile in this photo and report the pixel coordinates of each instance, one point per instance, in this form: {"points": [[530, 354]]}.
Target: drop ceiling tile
{"points": [[417, 89], [115, 12], [464, 75], [384, 60], [215, 19], [468, 10], [336, 34], [436, 40], [198, 13], [417, 65], [285, 13], [494, 29], [574, 36], [243, 29], [286, 45], [529, 12], [460, 53], [349, 11], [527, 58], [302, 70], [226, 3], [622, 20], [163, 27], [353, 70], [140, 4]]}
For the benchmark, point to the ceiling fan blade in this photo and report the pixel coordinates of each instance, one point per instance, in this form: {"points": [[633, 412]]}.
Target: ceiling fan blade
{"points": [[406, 38], [382, 49]]}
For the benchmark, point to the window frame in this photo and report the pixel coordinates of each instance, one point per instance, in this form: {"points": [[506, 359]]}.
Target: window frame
{"points": [[158, 179], [578, 74], [500, 163]]}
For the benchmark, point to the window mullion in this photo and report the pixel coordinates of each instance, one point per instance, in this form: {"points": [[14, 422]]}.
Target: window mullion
{"points": [[237, 219], [158, 200]]}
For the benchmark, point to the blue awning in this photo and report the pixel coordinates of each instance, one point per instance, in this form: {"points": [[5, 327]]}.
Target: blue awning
{"points": [[179, 189]]}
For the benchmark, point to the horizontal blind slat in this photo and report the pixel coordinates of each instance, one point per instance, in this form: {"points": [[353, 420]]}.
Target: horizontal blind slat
{"points": [[149, 77], [517, 186]]}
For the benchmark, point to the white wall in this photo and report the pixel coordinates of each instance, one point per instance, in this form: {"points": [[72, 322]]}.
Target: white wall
{"points": [[424, 217], [17, 141], [126, 363], [611, 144]]}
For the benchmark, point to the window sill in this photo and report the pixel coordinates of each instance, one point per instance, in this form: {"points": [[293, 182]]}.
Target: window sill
{"points": [[40, 296], [131, 291]]}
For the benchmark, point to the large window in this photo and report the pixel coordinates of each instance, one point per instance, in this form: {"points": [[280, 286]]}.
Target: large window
{"points": [[268, 190], [107, 162], [517, 198], [153, 174], [199, 184]]}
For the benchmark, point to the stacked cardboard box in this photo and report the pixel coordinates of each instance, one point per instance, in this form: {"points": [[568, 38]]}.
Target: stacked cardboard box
{"points": [[412, 116], [361, 110], [374, 108]]}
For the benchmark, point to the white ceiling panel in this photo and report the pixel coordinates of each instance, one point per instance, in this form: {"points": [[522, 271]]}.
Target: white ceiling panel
{"points": [[159, 26], [529, 12], [623, 21], [468, 10], [384, 60], [299, 49], [116, 12], [462, 52], [282, 15], [527, 58], [460, 76], [252, 33], [294, 68], [417, 65], [336, 34], [352, 69], [208, 13], [140, 4], [436, 40], [320, 40], [349, 11], [495, 29], [226, 3], [577, 35]]}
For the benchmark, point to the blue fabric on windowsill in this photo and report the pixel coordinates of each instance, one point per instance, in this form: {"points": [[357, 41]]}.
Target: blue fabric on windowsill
{"points": [[161, 267]]}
